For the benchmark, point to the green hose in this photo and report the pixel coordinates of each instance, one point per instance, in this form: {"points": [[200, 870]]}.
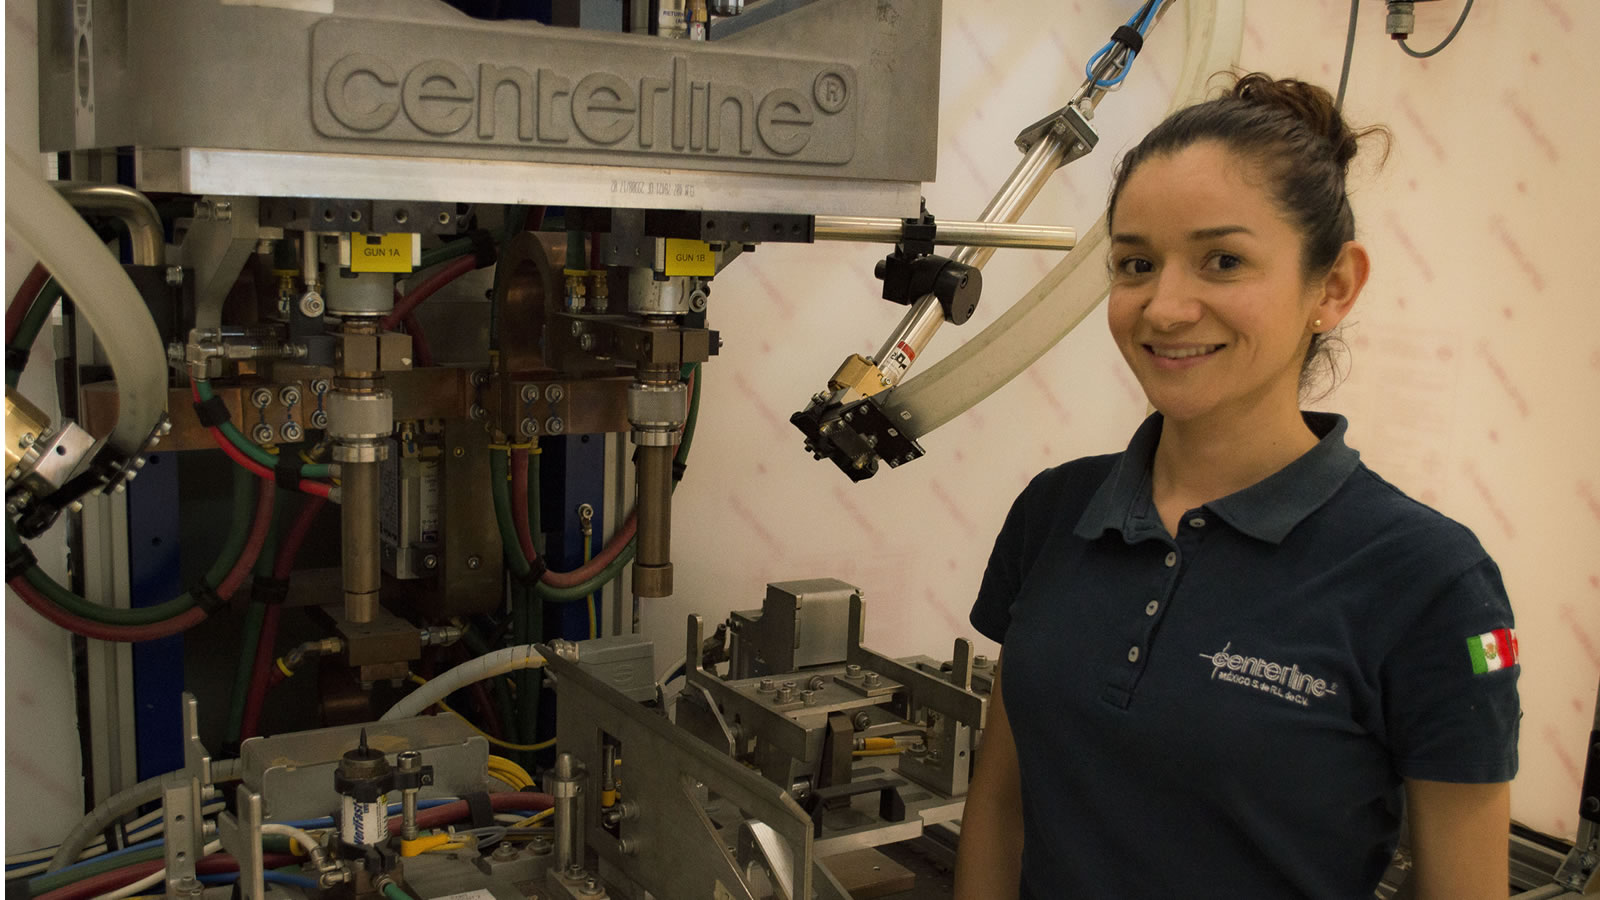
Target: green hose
{"points": [[238, 534], [395, 892], [43, 884], [248, 642], [249, 447], [32, 323]]}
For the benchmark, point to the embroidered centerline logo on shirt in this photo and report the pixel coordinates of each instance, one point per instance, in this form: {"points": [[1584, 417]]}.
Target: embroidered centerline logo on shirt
{"points": [[1286, 681]]}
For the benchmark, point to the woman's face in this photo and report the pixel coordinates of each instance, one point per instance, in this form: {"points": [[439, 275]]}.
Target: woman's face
{"points": [[1208, 303]]}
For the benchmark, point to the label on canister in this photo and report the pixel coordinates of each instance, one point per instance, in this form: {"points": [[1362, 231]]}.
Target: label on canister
{"points": [[364, 824]]}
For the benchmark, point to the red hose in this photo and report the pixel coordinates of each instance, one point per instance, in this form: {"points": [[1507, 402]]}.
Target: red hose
{"points": [[98, 630], [27, 292], [459, 267], [519, 502], [181, 622], [95, 885], [261, 679], [314, 488], [421, 352]]}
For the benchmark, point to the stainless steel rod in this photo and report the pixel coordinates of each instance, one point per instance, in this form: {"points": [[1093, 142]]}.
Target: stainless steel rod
{"points": [[885, 230], [358, 517], [149, 242]]}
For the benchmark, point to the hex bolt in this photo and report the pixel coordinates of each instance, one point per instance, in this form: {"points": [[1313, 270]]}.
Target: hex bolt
{"points": [[291, 431], [506, 851], [767, 686], [261, 398], [319, 419], [289, 396], [816, 683], [980, 662], [529, 393], [262, 433], [311, 305], [553, 393], [871, 679], [554, 425], [852, 670], [473, 562], [862, 721]]}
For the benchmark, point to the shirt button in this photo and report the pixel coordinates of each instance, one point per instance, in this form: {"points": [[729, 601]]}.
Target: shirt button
{"points": [[1151, 607], [1197, 522], [1172, 559], [1133, 654]]}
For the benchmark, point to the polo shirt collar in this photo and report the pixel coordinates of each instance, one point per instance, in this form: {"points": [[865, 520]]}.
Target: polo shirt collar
{"points": [[1267, 510]]}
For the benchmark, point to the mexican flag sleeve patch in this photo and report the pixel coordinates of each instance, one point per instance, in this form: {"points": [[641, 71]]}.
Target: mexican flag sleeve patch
{"points": [[1493, 651]]}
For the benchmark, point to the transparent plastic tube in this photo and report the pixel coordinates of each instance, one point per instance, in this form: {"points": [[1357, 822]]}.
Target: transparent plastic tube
{"points": [[43, 222]]}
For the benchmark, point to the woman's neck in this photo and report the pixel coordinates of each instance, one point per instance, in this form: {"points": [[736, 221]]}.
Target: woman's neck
{"points": [[1199, 461]]}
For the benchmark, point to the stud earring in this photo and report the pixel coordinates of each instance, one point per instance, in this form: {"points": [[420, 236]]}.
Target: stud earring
{"points": [[1316, 325]]}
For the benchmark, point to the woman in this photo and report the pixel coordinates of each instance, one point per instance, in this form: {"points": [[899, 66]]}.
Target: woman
{"points": [[1231, 651]]}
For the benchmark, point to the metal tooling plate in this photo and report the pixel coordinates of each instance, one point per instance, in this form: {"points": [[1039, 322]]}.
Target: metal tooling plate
{"points": [[787, 114], [99, 413], [468, 534], [858, 825], [294, 772]]}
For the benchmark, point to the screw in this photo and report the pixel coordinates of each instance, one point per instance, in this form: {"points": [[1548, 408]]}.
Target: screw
{"points": [[697, 301], [871, 679], [458, 452], [289, 396], [261, 398], [319, 419], [477, 412], [554, 425], [320, 386], [786, 692], [1591, 804], [809, 698], [852, 671], [980, 662], [480, 377], [554, 393], [541, 845], [767, 686], [628, 846], [474, 562], [430, 561], [262, 433], [26, 440], [529, 393], [862, 721], [505, 851], [529, 427], [591, 885], [933, 754], [223, 210], [291, 431], [174, 275], [816, 683], [586, 342]]}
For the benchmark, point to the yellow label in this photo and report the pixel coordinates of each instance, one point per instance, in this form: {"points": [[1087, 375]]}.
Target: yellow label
{"points": [[686, 257], [382, 252]]}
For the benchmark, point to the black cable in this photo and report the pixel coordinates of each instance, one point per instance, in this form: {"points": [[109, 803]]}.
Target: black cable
{"points": [[1447, 38], [1349, 50]]}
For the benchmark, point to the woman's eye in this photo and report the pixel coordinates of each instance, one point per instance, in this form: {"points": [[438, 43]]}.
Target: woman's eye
{"points": [[1223, 261], [1134, 265]]}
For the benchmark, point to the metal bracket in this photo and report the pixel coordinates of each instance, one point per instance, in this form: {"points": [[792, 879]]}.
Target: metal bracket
{"points": [[241, 836], [1069, 125], [181, 797]]}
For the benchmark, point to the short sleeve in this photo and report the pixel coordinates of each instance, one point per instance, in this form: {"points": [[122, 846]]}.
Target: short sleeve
{"points": [[1450, 685], [1002, 578]]}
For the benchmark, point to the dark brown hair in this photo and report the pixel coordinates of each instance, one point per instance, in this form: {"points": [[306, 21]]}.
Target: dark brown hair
{"points": [[1293, 132]]}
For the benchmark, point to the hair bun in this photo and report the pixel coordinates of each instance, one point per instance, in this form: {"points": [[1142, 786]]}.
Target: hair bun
{"points": [[1305, 102]]}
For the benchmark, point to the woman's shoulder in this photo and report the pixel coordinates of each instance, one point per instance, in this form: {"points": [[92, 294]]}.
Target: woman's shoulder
{"points": [[1388, 514], [1082, 476]]}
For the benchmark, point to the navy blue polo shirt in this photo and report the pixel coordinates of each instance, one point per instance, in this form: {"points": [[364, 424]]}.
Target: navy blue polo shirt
{"points": [[1230, 712]]}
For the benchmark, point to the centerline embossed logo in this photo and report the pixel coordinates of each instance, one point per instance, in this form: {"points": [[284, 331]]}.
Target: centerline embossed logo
{"points": [[1286, 681], [565, 95]]}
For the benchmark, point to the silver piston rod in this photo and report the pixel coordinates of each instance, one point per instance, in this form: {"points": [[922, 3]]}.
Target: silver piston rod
{"points": [[884, 230], [918, 327]]}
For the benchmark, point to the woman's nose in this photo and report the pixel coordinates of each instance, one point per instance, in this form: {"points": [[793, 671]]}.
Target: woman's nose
{"points": [[1173, 301]]}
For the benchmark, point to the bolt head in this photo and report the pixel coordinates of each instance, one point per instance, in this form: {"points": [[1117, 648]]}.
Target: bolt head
{"points": [[553, 393], [311, 305], [529, 393], [430, 561], [528, 427], [26, 440], [767, 686], [174, 276], [474, 562], [477, 412], [289, 396], [554, 425], [872, 679], [862, 721], [261, 398], [262, 434], [586, 342], [852, 671], [319, 419], [291, 431]]}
